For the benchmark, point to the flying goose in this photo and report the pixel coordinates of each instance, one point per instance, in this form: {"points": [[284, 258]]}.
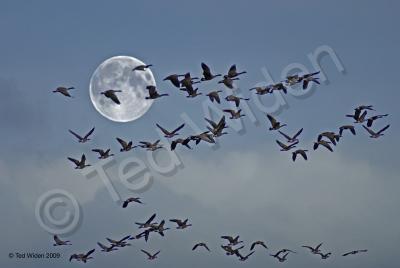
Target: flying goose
{"points": [[364, 107], [349, 127], [233, 72], [244, 258], [234, 114], [227, 81], [358, 116], [188, 81], [130, 200], [80, 164], [262, 90], [332, 136], [59, 242], [184, 142], [120, 243], [315, 250], [285, 147], [105, 248], [207, 75], [202, 244], [293, 79], [213, 96], [233, 241], [192, 93], [275, 125], [103, 154], [374, 134], [235, 99], [310, 78], [151, 146], [126, 146], [64, 91], [111, 95], [354, 252], [324, 256], [283, 258], [150, 256], [371, 119], [282, 251], [217, 128], [170, 134], [323, 143], [148, 223], [160, 228], [84, 138], [301, 152], [279, 86], [230, 251], [174, 78], [261, 243], [293, 138], [205, 136], [142, 67], [153, 94], [82, 257], [181, 224]]}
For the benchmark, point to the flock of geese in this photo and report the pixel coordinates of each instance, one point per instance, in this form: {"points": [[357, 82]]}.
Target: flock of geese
{"points": [[216, 129]]}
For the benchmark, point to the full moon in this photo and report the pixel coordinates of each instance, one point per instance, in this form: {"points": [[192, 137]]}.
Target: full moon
{"points": [[116, 73]]}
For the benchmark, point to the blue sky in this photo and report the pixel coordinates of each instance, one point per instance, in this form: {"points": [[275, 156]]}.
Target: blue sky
{"points": [[50, 43]]}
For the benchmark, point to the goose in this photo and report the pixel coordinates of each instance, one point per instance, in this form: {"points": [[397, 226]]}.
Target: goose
{"points": [[181, 224], [160, 228], [235, 99], [282, 251], [207, 75], [230, 251], [324, 256], [188, 81], [151, 146], [202, 244], [233, 241], [126, 146], [307, 78], [354, 252], [315, 250], [293, 79], [192, 93], [105, 248], [332, 136], [262, 90], [261, 243], [283, 258], [80, 164], [103, 154], [364, 107], [234, 114], [170, 134], [244, 258], [119, 243], [214, 96], [64, 91], [130, 200], [349, 127], [184, 142], [323, 143], [82, 257], [111, 95], [217, 128], [227, 81], [279, 86], [357, 116], [174, 78], [374, 134], [275, 125], [153, 94], [205, 136], [293, 138], [84, 138], [233, 72], [142, 67], [371, 119], [148, 223], [150, 256], [301, 152], [285, 147], [59, 242]]}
